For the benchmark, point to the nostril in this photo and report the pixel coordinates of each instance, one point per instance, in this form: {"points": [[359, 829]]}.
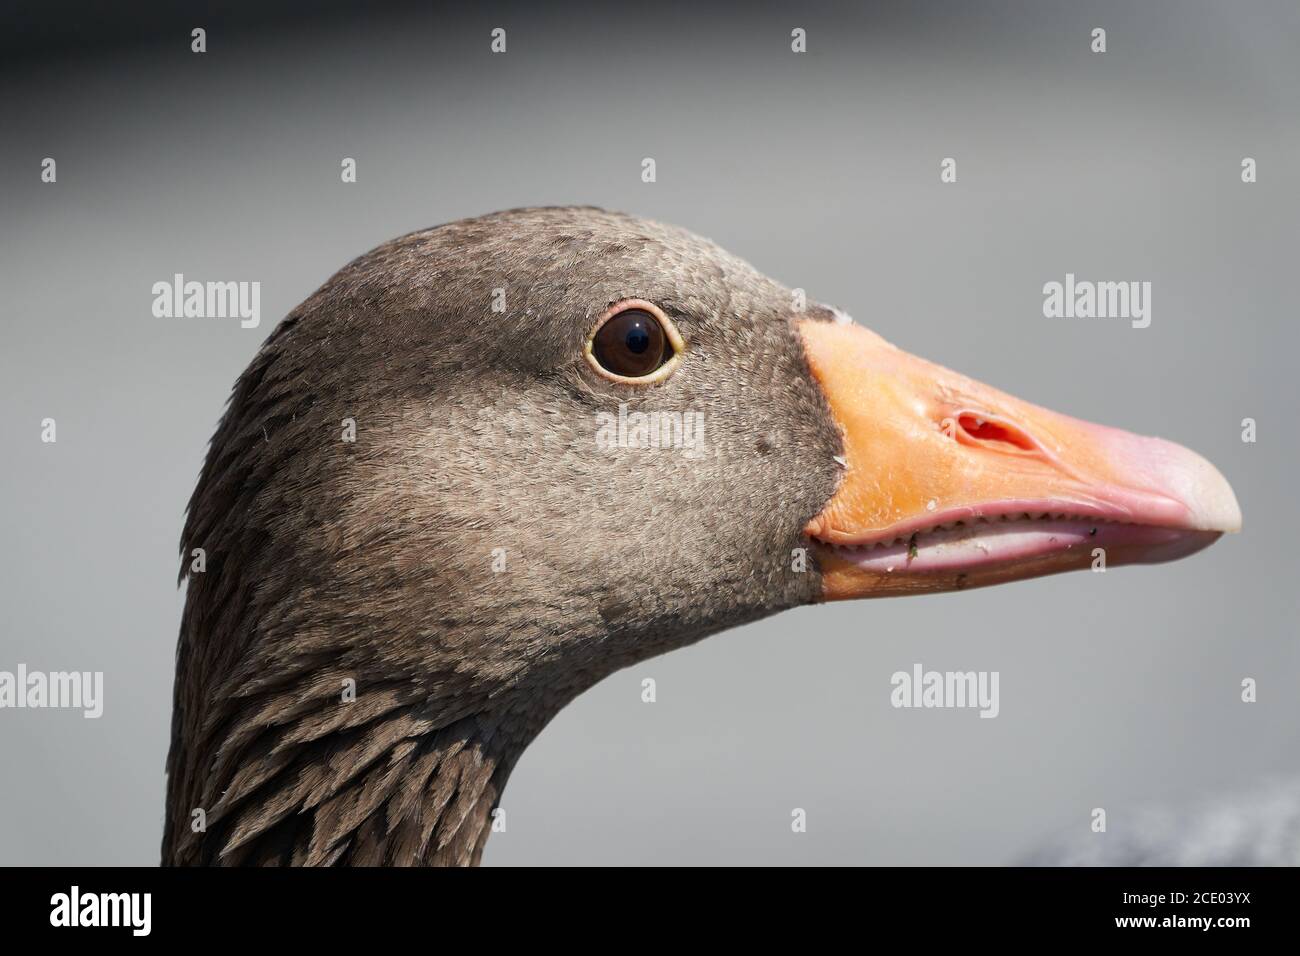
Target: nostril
{"points": [[992, 433]]}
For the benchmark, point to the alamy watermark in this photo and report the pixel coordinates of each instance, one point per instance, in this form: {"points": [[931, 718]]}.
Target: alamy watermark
{"points": [[683, 431], [133, 911], [179, 299], [947, 689], [71, 690], [1082, 299]]}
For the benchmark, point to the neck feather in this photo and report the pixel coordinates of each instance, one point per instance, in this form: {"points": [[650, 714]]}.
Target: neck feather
{"points": [[349, 788], [321, 714]]}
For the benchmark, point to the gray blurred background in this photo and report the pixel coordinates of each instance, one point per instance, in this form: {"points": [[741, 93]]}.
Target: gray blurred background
{"points": [[1119, 690]]}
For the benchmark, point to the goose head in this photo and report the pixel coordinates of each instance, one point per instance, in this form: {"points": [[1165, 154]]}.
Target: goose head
{"points": [[490, 463]]}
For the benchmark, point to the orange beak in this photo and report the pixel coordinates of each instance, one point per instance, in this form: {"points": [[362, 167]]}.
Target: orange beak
{"points": [[950, 484]]}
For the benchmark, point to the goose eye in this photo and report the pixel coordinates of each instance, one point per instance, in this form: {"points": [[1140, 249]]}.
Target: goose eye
{"points": [[633, 343]]}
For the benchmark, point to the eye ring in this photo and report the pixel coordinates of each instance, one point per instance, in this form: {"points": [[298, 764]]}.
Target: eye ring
{"points": [[673, 339]]}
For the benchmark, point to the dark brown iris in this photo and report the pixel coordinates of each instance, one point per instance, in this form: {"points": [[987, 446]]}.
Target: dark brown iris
{"points": [[632, 344]]}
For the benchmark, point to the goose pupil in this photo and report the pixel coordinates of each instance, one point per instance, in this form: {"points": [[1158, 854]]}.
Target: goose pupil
{"points": [[638, 337]]}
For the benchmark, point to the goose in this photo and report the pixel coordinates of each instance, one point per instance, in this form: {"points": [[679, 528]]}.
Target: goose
{"points": [[423, 534]]}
